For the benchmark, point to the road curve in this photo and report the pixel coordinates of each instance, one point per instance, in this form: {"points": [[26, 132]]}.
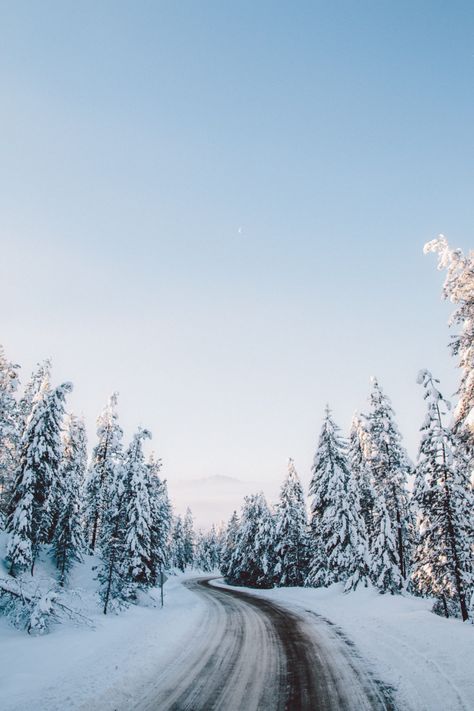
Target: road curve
{"points": [[250, 654]]}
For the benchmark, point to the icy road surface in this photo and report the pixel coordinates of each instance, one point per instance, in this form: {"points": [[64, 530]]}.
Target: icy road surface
{"points": [[251, 654]]}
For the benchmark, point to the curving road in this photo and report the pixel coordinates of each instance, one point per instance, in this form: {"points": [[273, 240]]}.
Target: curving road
{"points": [[250, 654]]}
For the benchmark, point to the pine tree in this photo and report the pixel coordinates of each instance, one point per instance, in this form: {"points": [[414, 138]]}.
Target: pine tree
{"points": [[459, 288], [229, 546], [9, 434], [161, 518], [384, 570], [200, 551], [38, 385], [68, 543], [113, 585], [137, 516], [214, 549], [339, 540], [178, 548], [29, 522], [359, 465], [253, 558], [106, 457], [188, 531], [444, 502], [207, 551], [291, 532], [390, 468]]}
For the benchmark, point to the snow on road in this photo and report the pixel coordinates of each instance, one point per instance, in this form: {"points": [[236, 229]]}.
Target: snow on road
{"points": [[253, 655], [427, 659], [146, 654]]}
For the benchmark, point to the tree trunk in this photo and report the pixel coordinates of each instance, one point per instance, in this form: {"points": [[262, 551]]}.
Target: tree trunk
{"points": [[94, 532]]}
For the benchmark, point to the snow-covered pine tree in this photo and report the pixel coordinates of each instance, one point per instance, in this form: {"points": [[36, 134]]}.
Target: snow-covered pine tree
{"points": [[253, 559], [338, 541], [229, 545], [106, 457], [137, 516], [444, 503], [29, 522], [161, 518], [113, 586], [39, 383], [459, 288], [206, 551], [390, 468], [178, 550], [188, 531], [9, 434], [214, 548], [68, 542], [358, 458], [200, 553], [359, 565], [291, 548], [384, 567]]}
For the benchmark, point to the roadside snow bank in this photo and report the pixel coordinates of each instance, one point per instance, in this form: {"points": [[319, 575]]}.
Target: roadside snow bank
{"points": [[103, 668], [427, 659]]}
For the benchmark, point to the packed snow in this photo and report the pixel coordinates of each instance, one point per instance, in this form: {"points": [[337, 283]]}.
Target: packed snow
{"points": [[104, 667], [426, 659]]}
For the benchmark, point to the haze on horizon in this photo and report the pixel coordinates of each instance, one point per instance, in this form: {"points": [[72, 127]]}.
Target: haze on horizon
{"points": [[219, 210]]}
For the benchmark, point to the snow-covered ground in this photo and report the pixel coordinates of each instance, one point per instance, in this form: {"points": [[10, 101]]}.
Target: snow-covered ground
{"points": [[426, 659], [82, 668]]}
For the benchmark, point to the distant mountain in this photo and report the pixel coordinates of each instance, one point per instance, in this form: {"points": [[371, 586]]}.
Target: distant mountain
{"points": [[220, 478], [212, 499]]}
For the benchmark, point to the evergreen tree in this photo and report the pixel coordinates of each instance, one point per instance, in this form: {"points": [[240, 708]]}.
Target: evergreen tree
{"points": [[359, 465], [384, 570], [390, 468], [106, 457], [161, 518], [253, 558], [459, 288], [68, 543], [188, 532], [200, 552], [229, 546], [9, 434], [210, 551], [29, 522], [291, 532], [38, 385], [444, 502], [113, 585], [207, 551], [339, 540], [137, 516], [178, 547]]}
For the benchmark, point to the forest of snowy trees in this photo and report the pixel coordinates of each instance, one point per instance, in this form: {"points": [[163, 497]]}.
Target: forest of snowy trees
{"points": [[366, 523], [373, 515], [53, 499]]}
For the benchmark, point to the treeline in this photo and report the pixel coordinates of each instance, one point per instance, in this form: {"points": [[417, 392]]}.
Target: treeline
{"points": [[365, 524], [54, 498]]}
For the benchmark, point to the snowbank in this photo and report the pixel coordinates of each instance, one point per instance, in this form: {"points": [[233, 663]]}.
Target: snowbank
{"points": [[427, 659], [81, 668]]}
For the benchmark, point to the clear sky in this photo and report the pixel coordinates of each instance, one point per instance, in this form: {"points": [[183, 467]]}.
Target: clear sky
{"points": [[219, 209]]}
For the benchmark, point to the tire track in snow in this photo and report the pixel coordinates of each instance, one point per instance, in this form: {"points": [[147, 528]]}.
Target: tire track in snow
{"points": [[250, 654]]}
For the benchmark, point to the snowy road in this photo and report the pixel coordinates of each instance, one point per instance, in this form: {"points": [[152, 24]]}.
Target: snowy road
{"points": [[250, 654]]}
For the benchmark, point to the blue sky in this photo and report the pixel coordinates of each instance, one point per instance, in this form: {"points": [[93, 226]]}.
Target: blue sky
{"points": [[219, 210]]}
